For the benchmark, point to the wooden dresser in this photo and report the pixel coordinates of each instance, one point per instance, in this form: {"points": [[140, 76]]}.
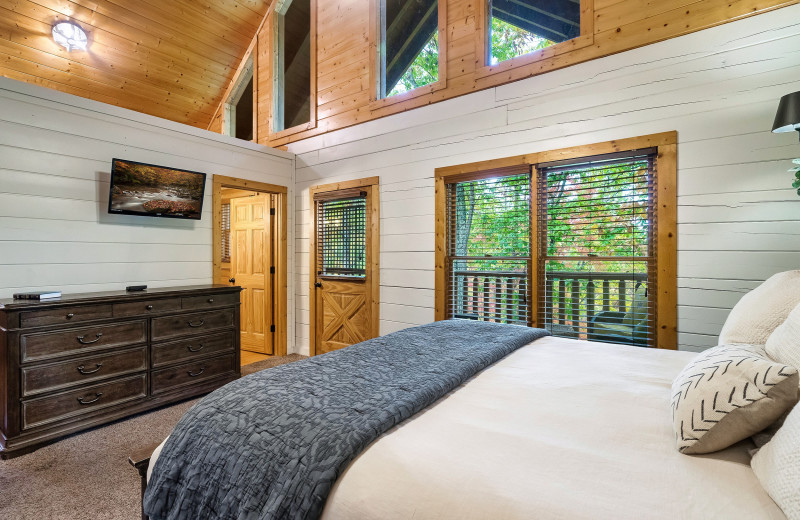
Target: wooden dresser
{"points": [[87, 359]]}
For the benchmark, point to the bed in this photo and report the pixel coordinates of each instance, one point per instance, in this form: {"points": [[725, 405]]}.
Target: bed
{"points": [[558, 429]]}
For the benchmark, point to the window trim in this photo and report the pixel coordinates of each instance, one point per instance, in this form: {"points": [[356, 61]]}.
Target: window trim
{"points": [[276, 48], [665, 213], [243, 77], [375, 69], [528, 64]]}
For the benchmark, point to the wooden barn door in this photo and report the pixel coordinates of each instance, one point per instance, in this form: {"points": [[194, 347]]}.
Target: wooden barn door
{"points": [[344, 267], [251, 260]]}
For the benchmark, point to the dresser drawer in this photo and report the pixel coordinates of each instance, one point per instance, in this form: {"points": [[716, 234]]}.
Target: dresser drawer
{"points": [[195, 323], [54, 376], [190, 373], [79, 340], [145, 307], [188, 349], [44, 410], [64, 315], [209, 301]]}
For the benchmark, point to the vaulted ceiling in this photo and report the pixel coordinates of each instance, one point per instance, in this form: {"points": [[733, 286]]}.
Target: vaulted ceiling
{"points": [[169, 58]]}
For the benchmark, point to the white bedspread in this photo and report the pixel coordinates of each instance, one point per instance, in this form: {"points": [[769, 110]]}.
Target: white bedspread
{"points": [[560, 429]]}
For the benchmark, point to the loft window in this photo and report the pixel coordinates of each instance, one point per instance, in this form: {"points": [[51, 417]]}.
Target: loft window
{"points": [[519, 27], [293, 77], [409, 45], [239, 109]]}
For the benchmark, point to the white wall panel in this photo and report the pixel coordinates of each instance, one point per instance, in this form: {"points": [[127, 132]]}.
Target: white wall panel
{"points": [[55, 162], [739, 219]]}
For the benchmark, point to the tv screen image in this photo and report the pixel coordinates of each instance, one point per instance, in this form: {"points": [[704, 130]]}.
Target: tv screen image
{"points": [[150, 190]]}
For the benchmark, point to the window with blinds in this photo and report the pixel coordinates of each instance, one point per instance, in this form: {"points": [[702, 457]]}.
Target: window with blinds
{"points": [[342, 236], [489, 248], [226, 232], [596, 247]]}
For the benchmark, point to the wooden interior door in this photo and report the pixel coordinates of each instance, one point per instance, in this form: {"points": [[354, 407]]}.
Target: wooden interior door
{"points": [[342, 315], [344, 268], [251, 262]]}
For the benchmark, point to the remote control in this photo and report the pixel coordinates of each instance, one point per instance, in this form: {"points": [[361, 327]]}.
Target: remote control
{"points": [[132, 288]]}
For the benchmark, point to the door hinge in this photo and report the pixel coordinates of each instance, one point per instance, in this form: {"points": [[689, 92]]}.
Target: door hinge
{"points": [[271, 211], [272, 328], [272, 270]]}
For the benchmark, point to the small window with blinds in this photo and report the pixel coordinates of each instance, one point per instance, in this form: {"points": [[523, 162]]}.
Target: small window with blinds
{"points": [[596, 247], [489, 248], [342, 237], [226, 233]]}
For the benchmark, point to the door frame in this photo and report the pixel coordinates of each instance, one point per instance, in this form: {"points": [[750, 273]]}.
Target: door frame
{"points": [[279, 246], [372, 187]]}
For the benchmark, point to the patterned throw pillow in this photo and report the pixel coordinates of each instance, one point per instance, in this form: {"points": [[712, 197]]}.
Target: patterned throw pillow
{"points": [[727, 394], [777, 466]]}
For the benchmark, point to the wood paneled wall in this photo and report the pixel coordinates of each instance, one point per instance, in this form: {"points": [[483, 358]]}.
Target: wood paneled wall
{"points": [[344, 54], [55, 161], [172, 59], [738, 216]]}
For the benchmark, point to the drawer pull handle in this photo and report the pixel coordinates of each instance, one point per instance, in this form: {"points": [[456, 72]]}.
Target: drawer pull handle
{"points": [[198, 349], [96, 398], [95, 340], [195, 374], [87, 372], [149, 307], [197, 324], [211, 300], [70, 316]]}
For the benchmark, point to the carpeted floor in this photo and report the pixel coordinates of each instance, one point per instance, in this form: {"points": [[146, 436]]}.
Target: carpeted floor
{"points": [[87, 476]]}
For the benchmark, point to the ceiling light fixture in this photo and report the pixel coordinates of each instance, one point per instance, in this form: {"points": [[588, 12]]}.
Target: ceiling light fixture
{"points": [[70, 36]]}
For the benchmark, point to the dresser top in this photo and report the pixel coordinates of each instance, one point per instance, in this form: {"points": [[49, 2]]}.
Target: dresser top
{"points": [[10, 304]]}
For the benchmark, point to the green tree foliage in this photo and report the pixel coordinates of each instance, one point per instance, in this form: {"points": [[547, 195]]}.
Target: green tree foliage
{"points": [[424, 70], [509, 41]]}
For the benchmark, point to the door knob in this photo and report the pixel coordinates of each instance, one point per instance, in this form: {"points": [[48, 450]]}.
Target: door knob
{"points": [[232, 280], [318, 284]]}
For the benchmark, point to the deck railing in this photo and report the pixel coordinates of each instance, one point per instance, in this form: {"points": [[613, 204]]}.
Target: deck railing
{"points": [[500, 296], [570, 300]]}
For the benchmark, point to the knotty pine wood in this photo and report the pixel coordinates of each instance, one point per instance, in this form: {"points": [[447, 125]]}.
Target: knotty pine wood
{"points": [[346, 58], [169, 59]]}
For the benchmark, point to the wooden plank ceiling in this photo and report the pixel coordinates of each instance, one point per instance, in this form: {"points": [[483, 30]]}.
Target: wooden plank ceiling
{"points": [[169, 58]]}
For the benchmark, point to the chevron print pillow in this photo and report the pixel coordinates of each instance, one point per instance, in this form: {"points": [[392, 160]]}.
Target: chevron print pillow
{"points": [[727, 394]]}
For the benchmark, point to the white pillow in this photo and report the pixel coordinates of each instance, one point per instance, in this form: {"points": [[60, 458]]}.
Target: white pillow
{"points": [[777, 466], [762, 310], [783, 345]]}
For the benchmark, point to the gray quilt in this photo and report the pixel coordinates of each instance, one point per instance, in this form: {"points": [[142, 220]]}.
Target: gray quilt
{"points": [[272, 444]]}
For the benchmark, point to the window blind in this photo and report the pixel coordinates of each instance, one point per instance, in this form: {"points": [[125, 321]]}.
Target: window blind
{"points": [[226, 232], [342, 236], [596, 247], [488, 255]]}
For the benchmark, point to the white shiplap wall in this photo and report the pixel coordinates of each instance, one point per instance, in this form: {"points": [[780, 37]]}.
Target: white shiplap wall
{"points": [[739, 219], [55, 162]]}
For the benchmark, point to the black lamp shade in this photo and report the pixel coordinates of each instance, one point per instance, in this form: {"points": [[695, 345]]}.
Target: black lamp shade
{"points": [[788, 117]]}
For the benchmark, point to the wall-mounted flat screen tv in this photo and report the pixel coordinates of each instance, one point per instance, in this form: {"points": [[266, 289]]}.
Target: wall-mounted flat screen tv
{"points": [[155, 191]]}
